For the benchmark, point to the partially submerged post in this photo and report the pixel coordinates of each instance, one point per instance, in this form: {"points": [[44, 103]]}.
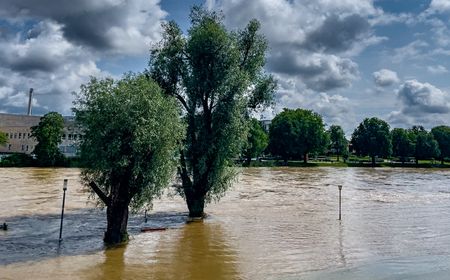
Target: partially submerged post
{"points": [[62, 211], [4, 226], [340, 188]]}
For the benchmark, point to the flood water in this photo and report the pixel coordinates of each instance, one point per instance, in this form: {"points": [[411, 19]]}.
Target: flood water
{"points": [[276, 223]]}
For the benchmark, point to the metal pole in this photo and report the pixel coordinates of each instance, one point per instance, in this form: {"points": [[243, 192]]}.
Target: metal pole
{"points": [[62, 211], [340, 188]]}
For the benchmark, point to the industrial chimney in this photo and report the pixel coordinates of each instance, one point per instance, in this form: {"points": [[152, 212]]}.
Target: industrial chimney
{"points": [[30, 101]]}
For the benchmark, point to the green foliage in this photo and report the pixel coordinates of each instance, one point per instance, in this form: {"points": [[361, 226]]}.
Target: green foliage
{"points": [[372, 138], [3, 138], [403, 145], [339, 144], [17, 160], [218, 77], [257, 141], [296, 133], [442, 135], [48, 135], [131, 135], [425, 145]]}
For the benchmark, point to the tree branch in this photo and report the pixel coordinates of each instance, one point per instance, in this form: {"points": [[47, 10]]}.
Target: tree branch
{"points": [[103, 197]]}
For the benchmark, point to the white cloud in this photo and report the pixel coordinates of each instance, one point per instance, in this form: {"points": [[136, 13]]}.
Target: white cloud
{"points": [[385, 78], [116, 26], [421, 103], [46, 61], [437, 69], [439, 6]]}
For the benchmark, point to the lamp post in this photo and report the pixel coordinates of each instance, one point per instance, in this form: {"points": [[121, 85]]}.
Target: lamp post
{"points": [[62, 210], [340, 189]]}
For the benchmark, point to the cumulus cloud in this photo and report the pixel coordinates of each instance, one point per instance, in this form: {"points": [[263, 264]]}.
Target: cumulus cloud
{"points": [[385, 78], [421, 103], [125, 27], [311, 40], [320, 72], [439, 6], [337, 34], [418, 98], [46, 61], [55, 47]]}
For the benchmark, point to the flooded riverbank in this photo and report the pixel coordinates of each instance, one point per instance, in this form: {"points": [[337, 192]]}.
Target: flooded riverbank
{"points": [[276, 223]]}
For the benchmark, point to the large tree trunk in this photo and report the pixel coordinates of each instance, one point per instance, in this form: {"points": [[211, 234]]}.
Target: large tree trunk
{"points": [[373, 161], [117, 217], [337, 157], [117, 212], [305, 158], [195, 203]]}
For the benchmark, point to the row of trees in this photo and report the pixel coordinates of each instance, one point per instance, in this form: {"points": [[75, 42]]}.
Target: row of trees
{"points": [[295, 134]]}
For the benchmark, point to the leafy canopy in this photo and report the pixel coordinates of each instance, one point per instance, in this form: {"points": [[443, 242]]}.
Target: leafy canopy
{"points": [[425, 145], [442, 135], [295, 133], [339, 144], [131, 134], [372, 138], [257, 140], [48, 134], [402, 143]]}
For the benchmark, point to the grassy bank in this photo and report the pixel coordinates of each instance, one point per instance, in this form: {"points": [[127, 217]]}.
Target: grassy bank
{"points": [[341, 164]]}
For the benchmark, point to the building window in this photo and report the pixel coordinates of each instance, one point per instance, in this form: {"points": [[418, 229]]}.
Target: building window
{"points": [[7, 135], [29, 135], [23, 147], [10, 136], [74, 137], [27, 148], [9, 147], [15, 135], [70, 136], [64, 136], [20, 135]]}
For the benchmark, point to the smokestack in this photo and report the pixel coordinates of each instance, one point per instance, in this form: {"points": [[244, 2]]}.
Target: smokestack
{"points": [[30, 101]]}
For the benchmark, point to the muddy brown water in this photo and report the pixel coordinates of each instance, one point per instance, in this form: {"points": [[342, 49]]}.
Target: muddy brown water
{"points": [[276, 223]]}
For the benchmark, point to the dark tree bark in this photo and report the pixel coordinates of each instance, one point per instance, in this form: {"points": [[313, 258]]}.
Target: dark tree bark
{"points": [[373, 161], [195, 202], [305, 158], [116, 212]]}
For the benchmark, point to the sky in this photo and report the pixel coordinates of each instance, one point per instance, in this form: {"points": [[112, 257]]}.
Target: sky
{"points": [[347, 59]]}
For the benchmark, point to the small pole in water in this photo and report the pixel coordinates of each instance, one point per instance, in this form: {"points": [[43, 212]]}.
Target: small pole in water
{"points": [[62, 211], [145, 217], [340, 188]]}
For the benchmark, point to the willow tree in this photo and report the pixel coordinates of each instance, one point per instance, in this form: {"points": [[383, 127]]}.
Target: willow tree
{"points": [[217, 77], [131, 137]]}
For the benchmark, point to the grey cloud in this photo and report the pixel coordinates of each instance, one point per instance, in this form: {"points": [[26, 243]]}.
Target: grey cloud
{"points": [[337, 34], [102, 24], [419, 101], [385, 78], [319, 72]]}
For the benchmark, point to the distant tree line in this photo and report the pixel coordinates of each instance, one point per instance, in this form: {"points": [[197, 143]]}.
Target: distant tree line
{"points": [[297, 134]]}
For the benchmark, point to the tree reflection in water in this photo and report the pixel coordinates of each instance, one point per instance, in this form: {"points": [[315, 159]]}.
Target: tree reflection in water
{"points": [[197, 251]]}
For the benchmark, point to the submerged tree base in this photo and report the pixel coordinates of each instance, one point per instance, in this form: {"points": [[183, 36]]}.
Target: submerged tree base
{"points": [[114, 239]]}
